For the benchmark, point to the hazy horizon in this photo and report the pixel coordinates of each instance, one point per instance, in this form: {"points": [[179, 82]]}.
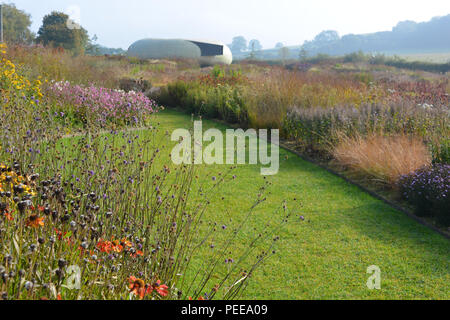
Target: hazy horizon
{"points": [[118, 23]]}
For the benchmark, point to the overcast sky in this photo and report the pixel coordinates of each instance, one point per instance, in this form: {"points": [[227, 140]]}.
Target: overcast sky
{"points": [[118, 23]]}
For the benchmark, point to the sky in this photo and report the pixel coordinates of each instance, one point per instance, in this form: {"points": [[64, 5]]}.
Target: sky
{"points": [[118, 23]]}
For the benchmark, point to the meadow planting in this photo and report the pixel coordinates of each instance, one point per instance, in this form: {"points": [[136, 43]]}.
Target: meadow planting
{"points": [[378, 122], [97, 106], [92, 207]]}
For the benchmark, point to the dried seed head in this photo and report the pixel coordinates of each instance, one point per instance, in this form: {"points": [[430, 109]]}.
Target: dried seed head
{"points": [[28, 285], [61, 263]]}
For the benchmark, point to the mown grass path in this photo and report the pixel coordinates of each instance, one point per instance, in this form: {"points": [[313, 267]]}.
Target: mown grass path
{"points": [[344, 232]]}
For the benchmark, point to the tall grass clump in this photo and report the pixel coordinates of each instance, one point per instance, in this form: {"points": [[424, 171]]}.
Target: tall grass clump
{"points": [[216, 96], [318, 129], [382, 158]]}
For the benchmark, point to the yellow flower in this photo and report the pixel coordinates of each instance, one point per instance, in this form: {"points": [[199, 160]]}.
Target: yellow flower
{"points": [[13, 82]]}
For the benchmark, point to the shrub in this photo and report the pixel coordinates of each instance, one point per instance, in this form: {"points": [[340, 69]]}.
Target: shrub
{"points": [[138, 85], [382, 158], [219, 100], [428, 190], [356, 57]]}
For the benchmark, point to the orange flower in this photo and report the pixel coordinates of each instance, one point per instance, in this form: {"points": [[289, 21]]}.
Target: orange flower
{"points": [[162, 289], [116, 246], [108, 246], [126, 243], [34, 221], [61, 236], [104, 246], [137, 286], [138, 253], [9, 216], [200, 298]]}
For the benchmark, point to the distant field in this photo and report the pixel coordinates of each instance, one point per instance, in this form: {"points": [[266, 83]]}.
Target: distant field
{"points": [[428, 57]]}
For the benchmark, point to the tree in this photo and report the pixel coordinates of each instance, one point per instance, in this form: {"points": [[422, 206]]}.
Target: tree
{"points": [[303, 55], [279, 45], [92, 48], [239, 44], [254, 46], [58, 30], [284, 53], [16, 25], [327, 37]]}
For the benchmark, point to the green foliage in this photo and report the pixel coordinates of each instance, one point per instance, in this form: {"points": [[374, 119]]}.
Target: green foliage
{"points": [[418, 65], [255, 47], [364, 77], [441, 151], [378, 59], [218, 72], [320, 58], [343, 226], [223, 101], [55, 32], [16, 25], [239, 44], [284, 53], [356, 57], [317, 128], [303, 54], [94, 49]]}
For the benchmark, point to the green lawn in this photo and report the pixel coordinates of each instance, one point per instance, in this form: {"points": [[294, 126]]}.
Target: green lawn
{"points": [[344, 232]]}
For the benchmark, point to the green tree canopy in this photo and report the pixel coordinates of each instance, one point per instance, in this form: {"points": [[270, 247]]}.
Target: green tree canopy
{"points": [[284, 53], [16, 25], [303, 54], [255, 45], [58, 30], [239, 44]]}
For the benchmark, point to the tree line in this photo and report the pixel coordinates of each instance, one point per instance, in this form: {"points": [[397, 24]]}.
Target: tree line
{"points": [[57, 31], [405, 37]]}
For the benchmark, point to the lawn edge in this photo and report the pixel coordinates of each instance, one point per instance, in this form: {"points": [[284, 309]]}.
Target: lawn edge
{"points": [[372, 193]]}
